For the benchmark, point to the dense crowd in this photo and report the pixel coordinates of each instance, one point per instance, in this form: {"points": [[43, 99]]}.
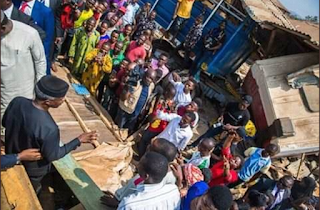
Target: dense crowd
{"points": [[108, 47]]}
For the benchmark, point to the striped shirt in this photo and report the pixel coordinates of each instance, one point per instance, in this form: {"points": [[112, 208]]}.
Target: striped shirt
{"points": [[152, 197]]}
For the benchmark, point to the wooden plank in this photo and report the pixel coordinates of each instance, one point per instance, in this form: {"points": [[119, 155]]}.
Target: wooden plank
{"points": [[87, 192], [78, 207], [4, 200], [18, 189]]}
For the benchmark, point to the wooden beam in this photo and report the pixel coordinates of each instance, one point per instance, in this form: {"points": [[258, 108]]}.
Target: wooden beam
{"points": [[81, 122], [17, 189], [99, 111], [271, 40], [87, 192], [301, 161]]}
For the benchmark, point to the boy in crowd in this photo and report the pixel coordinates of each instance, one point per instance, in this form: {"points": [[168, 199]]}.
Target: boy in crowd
{"points": [[192, 107], [84, 41], [201, 158], [99, 63], [133, 99], [183, 91], [157, 125], [104, 37], [178, 131], [152, 168], [136, 49], [125, 36], [257, 163], [110, 100], [224, 171], [160, 147], [234, 117]]}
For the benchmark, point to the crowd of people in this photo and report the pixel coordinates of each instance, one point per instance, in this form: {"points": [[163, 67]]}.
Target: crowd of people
{"points": [[107, 45]]}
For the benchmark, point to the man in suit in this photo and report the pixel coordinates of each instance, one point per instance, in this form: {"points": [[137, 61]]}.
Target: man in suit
{"points": [[56, 7], [14, 14], [281, 189], [43, 17]]}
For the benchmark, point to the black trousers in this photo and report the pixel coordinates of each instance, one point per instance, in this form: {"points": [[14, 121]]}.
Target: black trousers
{"points": [[145, 141], [235, 184]]}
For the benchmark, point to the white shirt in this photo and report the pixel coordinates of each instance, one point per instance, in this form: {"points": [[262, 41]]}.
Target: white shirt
{"points": [[173, 132], [23, 63], [197, 160], [130, 13], [28, 10], [46, 3], [152, 197], [181, 98], [279, 197], [8, 12], [131, 187]]}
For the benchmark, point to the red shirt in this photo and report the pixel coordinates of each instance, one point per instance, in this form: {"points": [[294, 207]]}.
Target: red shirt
{"points": [[119, 76], [135, 51], [158, 125], [66, 17], [181, 110], [217, 171], [96, 15]]}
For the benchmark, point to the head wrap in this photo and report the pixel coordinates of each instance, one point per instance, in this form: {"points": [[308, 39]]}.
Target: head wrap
{"points": [[192, 174]]}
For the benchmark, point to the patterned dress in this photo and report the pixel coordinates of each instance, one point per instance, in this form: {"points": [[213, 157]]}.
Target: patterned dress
{"points": [[144, 24], [193, 36], [81, 45], [93, 75]]}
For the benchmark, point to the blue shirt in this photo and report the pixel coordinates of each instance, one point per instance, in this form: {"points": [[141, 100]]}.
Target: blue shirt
{"points": [[196, 190], [142, 100], [8, 161], [254, 164]]}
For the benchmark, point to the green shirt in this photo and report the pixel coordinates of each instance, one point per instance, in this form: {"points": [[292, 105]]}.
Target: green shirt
{"points": [[125, 43], [116, 60]]}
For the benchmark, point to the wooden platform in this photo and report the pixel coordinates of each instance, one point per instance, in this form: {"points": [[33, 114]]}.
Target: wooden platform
{"points": [[16, 190], [84, 188], [69, 127]]}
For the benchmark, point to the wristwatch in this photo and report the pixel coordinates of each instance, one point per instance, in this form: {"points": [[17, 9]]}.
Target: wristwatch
{"points": [[18, 159]]}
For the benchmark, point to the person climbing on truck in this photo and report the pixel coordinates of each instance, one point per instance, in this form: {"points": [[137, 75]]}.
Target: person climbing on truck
{"points": [[210, 44], [181, 15], [235, 117]]}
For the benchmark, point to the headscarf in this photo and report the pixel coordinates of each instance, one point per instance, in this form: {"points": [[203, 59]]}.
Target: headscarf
{"points": [[192, 174]]}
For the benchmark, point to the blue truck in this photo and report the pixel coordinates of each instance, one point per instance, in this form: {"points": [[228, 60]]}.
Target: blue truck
{"points": [[238, 44]]}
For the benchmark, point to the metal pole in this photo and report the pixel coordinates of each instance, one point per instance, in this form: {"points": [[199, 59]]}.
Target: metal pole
{"points": [[232, 13], [212, 13], [235, 9], [154, 5]]}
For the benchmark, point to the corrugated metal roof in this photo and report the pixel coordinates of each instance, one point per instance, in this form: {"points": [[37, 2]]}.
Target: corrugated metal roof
{"points": [[266, 10], [307, 37]]}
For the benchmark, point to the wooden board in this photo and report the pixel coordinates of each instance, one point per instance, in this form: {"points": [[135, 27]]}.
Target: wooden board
{"points": [[84, 188], [311, 94], [80, 183], [279, 100], [17, 191]]}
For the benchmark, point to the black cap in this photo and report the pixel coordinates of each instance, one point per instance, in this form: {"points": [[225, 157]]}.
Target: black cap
{"points": [[247, 99], [53, 86]]}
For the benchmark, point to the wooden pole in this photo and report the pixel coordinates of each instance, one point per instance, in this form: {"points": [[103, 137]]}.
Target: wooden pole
{"points": [[302, 159], [98, 111], [84, 127]]}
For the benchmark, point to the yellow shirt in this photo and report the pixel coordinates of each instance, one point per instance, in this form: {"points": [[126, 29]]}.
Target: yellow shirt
{"points": [[85, 15], [184, 9]]}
